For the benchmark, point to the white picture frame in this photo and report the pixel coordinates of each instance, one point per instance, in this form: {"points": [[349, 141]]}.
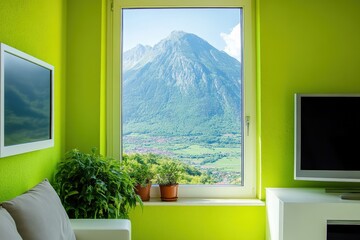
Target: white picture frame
{"points": [[26, 102]]}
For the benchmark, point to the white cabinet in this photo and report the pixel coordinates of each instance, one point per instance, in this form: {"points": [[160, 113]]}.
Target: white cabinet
{"points": [[302, 214]]}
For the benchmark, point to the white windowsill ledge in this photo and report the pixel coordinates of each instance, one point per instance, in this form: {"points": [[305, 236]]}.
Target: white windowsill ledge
{"points": [[205, 202]]}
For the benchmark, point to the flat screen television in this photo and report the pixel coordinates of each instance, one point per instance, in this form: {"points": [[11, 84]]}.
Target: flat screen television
{"points": [[26, 102], [327, 137]]}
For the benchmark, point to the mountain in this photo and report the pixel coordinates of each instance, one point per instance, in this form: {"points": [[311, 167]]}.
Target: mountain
{"points": [[131, 57], [181, 86]]}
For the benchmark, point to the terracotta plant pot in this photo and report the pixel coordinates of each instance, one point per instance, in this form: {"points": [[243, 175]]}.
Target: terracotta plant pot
{"points": [[169, 192], [143, 192]]}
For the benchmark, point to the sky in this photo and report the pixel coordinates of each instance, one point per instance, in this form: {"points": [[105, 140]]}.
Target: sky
{"points": [[218, 26]]}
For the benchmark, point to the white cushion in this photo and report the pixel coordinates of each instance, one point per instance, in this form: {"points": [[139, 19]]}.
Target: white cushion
{"points": [[7, 226], [39, 214]]}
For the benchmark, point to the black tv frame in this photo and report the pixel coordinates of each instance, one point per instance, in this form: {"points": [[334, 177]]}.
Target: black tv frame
{"points": [[318, 174]]}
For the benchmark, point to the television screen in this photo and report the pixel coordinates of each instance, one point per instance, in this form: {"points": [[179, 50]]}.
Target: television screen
{"points": [[26, 103], [327, 137]]}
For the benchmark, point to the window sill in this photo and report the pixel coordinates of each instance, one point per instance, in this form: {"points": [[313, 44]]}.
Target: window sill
{"points": [[206, 202]]}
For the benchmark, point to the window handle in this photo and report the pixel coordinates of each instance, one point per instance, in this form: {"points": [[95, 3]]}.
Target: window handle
{"points": [[247, 122]]}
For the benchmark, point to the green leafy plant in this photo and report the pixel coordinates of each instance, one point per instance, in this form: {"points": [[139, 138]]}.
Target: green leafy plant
{"points": [[169, 172], [139, 167], [93, 186]]}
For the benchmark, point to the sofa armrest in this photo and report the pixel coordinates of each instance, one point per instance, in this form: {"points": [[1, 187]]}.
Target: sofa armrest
{"points": [[103, 229]]}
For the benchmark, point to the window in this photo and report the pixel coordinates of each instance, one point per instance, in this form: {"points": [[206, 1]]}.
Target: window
{"points": [[183, 86]]}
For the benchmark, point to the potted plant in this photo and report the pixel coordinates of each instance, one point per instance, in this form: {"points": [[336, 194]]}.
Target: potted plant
{"points": [[168, 174], [92, 186], [141, 172]]}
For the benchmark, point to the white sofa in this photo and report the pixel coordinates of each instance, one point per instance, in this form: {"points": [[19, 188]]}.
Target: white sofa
{"points": [[39, 215], [103, 229]]}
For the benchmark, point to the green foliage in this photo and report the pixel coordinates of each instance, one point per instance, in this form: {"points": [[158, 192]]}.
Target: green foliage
{"points": [[220, 160], [139, 167], [92, 186], [192, 175], [169, 172]]}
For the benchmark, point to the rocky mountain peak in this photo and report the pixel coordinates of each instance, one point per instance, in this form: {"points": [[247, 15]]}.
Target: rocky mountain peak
{"points": [[182, 78]]}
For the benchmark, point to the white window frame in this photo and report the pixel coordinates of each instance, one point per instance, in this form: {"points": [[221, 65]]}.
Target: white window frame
{"points": [[114, 91]]}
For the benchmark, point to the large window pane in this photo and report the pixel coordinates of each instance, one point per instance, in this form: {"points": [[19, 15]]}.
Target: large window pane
{"points": [[182, 88]]}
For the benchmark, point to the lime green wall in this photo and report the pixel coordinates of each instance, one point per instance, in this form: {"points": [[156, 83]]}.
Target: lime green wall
{"points": [[198, 223], [38, 28], [306, 46], [85, 98], [303, 46]]}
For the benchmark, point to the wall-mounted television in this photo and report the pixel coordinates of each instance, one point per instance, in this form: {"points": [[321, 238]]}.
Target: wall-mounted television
{"points": [[327, 137], [26, 102]]}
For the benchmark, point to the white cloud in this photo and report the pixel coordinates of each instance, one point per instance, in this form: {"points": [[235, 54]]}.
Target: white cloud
{"points": [[232, 40]]}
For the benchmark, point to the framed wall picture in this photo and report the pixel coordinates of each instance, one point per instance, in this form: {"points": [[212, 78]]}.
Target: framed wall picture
{"points": [[26, 102]]}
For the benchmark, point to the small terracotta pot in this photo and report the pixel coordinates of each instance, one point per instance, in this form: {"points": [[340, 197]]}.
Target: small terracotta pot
{"points": [[169, 192], [143, 192]]}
